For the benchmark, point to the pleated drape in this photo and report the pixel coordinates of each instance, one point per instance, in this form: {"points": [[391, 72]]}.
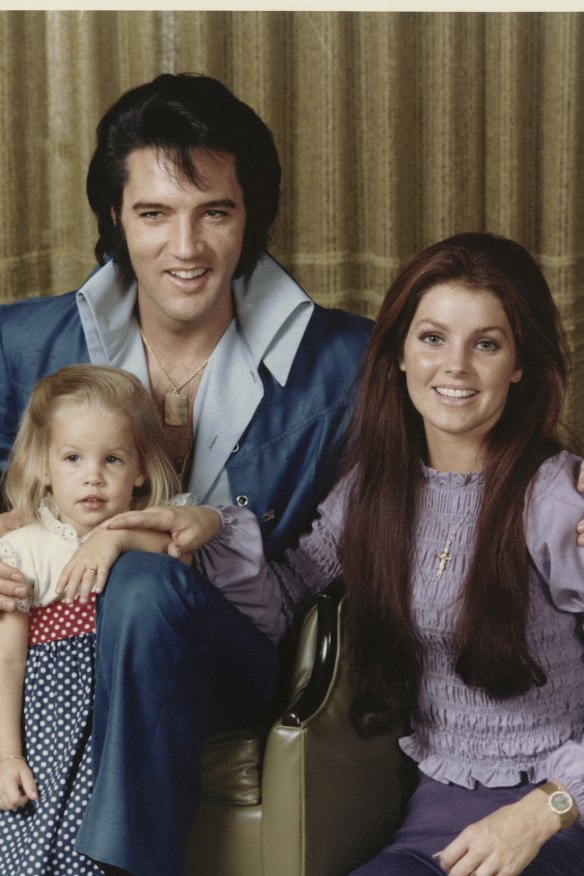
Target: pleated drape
{"points": [[394, 129]]}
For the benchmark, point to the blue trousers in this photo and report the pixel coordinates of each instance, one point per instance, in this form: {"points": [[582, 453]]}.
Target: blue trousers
{"points": [[175, 661]]}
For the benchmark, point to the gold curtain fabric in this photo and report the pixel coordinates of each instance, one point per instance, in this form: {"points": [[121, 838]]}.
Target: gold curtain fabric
{"points": [[395, 129]]}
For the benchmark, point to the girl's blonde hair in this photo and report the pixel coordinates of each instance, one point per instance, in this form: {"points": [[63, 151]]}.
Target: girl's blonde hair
{"points": [[112, 392]]}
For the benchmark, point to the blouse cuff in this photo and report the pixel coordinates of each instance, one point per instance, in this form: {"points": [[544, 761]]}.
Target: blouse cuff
{"points": [[234, 561], [566, 765], [231, 517]]}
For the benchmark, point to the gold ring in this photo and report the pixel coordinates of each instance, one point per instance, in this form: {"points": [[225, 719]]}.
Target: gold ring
{"points": [[92, 570]]}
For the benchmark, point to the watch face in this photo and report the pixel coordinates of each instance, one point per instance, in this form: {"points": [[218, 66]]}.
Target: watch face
{"points": [[560, 802]]}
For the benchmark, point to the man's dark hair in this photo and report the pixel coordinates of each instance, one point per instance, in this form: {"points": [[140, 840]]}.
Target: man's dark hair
{"points": [[176, 114]]}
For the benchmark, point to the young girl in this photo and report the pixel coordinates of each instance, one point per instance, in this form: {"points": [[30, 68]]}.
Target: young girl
{"points": [[454, 528], [90, 446]]}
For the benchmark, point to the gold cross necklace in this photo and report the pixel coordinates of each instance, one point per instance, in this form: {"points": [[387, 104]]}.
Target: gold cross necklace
{"points": [[444, 556], [175, 401]]}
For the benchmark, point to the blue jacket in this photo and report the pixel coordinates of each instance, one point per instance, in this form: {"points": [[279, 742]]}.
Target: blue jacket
{"points": [[286, 460]]}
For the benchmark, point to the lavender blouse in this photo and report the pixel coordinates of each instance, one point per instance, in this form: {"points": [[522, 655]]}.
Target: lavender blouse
{"points": [[462, 735]]}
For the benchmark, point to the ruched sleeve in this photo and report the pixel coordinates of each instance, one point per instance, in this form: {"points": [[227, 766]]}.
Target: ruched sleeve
{"points": [[270, 593], [553, 510]]}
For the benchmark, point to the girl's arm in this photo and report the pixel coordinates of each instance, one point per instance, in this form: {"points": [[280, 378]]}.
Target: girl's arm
{"points": [[17, 784], [87, 570]]}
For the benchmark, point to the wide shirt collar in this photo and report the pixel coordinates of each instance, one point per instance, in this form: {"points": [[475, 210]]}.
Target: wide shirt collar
{"points": [[271, 315]]}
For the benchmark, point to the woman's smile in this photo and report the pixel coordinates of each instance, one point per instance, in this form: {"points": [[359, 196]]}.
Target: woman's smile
{"points": [[459, 359]]}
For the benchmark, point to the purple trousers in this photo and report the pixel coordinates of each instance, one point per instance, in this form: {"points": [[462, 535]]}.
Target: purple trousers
{"points": [[437, 813]]}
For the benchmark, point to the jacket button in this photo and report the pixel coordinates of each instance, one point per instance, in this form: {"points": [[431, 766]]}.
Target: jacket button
{"points": [[235, 449], [242, 501]]}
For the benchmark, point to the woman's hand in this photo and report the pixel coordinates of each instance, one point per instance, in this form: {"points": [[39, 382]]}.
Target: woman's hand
{"points": [[189, 526], [17, 784], [503, 843]]}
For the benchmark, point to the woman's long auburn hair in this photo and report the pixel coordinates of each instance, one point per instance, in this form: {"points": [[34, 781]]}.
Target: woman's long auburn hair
{"points": [[387, 443]]}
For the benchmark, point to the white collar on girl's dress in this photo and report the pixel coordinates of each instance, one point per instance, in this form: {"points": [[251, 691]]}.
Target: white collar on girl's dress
{"points": [[49, 515]]}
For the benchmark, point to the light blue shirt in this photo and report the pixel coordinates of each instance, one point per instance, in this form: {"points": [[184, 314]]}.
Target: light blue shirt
{"points": [[271, 315]]}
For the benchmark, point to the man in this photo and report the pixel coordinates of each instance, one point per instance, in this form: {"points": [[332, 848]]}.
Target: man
{"points": [[253, 383]]}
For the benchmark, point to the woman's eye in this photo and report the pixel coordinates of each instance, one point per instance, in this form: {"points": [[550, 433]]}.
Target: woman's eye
{"points": [[432, 339], [488, 345], [72, 457]]}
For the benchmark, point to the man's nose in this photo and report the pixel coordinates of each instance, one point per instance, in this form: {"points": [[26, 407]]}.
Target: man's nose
{"points": [[187, 239]]}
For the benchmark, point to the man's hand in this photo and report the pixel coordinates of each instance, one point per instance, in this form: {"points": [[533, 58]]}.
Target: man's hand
{"points": [[17, 784], [9, 520], [12, 585], [190, 526], [503, 843]]}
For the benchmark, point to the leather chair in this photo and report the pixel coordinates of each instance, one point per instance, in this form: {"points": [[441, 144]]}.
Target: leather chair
{"points": [[311, 797]]}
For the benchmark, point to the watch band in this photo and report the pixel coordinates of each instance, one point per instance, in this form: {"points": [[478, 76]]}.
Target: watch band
{"points": [[561, 803]]}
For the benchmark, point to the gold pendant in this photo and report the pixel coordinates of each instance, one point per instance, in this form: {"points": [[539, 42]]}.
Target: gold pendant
{"points": [[175, 409]]}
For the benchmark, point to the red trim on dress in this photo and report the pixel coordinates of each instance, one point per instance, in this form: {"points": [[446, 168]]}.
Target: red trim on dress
{"points": [[47, 623]]}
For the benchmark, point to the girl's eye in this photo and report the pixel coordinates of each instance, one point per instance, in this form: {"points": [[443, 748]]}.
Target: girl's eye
{"points": [[112, 460]]}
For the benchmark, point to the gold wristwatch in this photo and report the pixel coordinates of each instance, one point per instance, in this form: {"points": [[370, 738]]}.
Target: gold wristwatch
{"points": [[560, 803]]}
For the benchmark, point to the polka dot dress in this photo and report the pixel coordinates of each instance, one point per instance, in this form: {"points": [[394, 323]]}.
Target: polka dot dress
{"points": [[38, 839]]}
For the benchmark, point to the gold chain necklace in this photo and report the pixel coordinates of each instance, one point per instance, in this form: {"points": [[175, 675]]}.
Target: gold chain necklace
{"points": [[444, 556], [183, 468], [175, 401]]}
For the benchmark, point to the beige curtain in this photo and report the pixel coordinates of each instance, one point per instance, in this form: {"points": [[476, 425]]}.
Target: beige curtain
{"points": [[395, 129]]}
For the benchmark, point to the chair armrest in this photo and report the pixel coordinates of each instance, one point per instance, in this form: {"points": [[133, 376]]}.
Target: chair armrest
{"points": [[313, 695], [331, 797]]}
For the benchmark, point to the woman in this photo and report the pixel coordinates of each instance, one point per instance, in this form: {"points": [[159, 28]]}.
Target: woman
{"points": [[454, 529]]}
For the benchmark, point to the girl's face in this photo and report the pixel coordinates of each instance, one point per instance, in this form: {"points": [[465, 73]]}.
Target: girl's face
{"points": [[93, 465], [459, 358]]}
